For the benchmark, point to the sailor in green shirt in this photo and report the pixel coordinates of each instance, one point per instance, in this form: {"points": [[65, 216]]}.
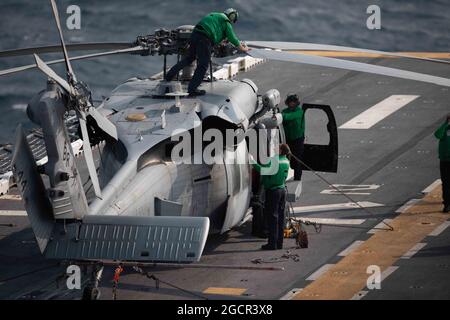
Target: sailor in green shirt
{"points": [[294, 129], [210, 31], [274, 175], [443, 134]]}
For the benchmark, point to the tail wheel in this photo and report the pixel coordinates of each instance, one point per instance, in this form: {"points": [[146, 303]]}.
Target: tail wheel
{"points": [[91, 293]]}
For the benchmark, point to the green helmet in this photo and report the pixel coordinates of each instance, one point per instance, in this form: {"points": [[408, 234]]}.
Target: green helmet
{"points": [[232, 14]]}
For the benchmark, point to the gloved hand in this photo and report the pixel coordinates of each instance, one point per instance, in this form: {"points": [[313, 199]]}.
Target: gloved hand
{"points": [[244, 48]]}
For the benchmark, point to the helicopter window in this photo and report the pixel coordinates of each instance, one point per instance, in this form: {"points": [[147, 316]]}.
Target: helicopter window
{"points": [[117, 150], [316, 127]]}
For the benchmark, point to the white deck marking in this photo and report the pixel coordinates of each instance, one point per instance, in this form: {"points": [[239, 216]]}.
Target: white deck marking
{"points": [[411, 252], [319, 272], [379, 226], [439, 229], [432, 186], [378, 112], [360, 295], [13, 213], [407, 205], [332, 220], [291, 293], [350, 248], [386, 273], [352, 189], [336, 206]]}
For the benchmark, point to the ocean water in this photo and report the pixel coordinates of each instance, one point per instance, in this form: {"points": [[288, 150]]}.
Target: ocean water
{"points": [[406, 25]]}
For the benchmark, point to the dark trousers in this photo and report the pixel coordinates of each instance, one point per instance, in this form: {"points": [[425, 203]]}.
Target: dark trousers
{"points": [[445, 177], [274, 212], [297, 148], [259, 221], [200, 47]]}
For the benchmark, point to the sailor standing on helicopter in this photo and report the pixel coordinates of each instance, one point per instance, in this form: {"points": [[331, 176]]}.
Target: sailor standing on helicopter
{"points": [[211, 30]]}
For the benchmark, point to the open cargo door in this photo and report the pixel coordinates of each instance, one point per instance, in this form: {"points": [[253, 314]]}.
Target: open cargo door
{"points": [[318, 157]]}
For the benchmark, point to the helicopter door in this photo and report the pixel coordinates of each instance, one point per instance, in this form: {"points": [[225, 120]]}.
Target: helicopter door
{"points": [[322, 157]]}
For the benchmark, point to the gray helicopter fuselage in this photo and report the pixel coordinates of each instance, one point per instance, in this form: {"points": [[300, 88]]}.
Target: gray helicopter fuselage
{"points": [[138, 176]]}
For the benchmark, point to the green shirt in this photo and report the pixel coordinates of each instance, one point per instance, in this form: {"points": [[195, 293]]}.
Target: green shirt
{"points": [[293, 123], [217, 27], [277, 180], [444, 141]]}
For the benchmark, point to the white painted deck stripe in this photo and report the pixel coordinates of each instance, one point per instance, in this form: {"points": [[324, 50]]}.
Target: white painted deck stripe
{"points": [[379, 226], [360, 295], [432, 186], [350, 248], [336, 206], [411, 252], [332, 220], [440, 229], [13, 213], [319, 272], [386, 273], [378, 112], [407, 205], [291, 293]]}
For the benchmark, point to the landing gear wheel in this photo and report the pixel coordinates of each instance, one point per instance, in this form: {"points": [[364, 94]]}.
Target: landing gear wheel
{"points": [[91, 293]]}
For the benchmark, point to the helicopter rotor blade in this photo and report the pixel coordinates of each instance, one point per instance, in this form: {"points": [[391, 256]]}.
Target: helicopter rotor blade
{"points": [[88, 155], [291, 46], [41, 65], [61, 38], [103, 122], [69, 47], [83, 57], [347, 65]]}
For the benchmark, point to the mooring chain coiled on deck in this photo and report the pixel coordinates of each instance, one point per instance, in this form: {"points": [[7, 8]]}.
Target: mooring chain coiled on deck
{"points": [[341, 192], [317, 226], [158, 281]]}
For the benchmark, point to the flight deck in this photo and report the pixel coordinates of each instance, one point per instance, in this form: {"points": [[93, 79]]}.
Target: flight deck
{"points": [[388, 163]]}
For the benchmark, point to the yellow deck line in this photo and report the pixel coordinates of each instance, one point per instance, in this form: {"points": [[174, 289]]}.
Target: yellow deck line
{"points": [[344, 54], [384, 248], [225, 291]]}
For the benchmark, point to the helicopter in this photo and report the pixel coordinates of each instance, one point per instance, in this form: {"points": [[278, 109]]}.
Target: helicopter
{"points": [[135, 203]]}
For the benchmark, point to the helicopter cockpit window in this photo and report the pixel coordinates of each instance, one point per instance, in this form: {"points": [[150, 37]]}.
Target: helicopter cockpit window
{"points": [[112, 156], [316, 132]]}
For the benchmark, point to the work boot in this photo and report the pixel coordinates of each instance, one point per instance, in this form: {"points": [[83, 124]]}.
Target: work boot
{"points": [[446, 209], [197, 93], [268, 247]]}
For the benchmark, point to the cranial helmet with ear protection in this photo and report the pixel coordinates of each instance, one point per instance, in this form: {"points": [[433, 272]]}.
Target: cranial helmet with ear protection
{"points": [[232, 14], [292, 97]]}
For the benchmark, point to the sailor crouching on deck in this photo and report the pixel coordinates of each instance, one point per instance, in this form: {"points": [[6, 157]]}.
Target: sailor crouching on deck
{"points": [[211, 30], [443, 134], [294, 129], [275, 196]]}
